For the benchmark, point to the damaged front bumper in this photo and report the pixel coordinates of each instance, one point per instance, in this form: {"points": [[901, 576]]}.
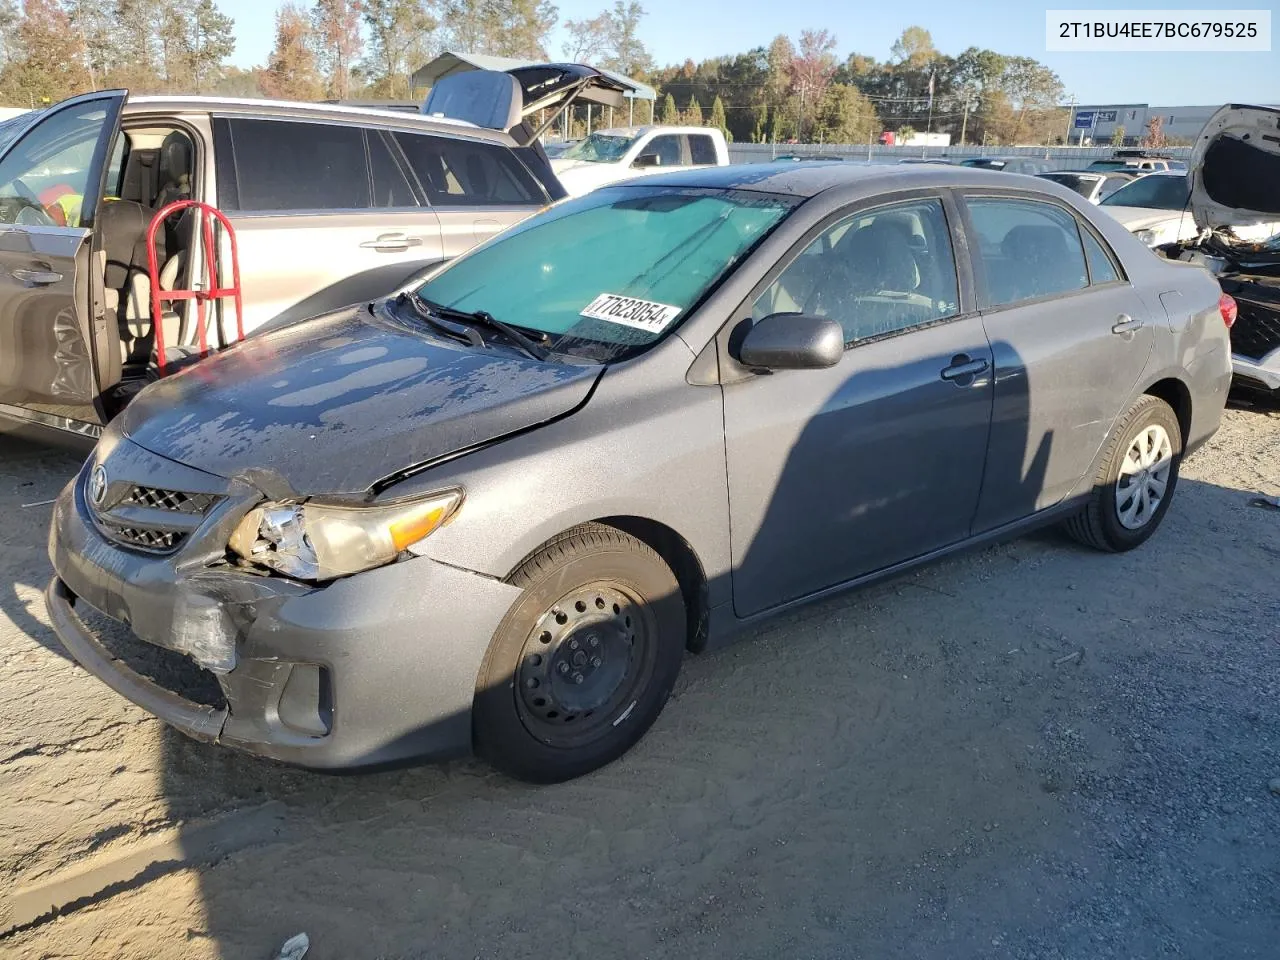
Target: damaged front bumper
{"points": [[368, 670]]}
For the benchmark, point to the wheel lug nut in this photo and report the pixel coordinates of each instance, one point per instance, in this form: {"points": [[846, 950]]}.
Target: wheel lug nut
{"points": [[573, 644], [595, 642], [596, 661], [577, 678], [564, 668]]}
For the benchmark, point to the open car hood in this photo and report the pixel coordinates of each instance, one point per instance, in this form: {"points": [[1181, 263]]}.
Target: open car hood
{"points": [[1235, 168], [506, 99]]}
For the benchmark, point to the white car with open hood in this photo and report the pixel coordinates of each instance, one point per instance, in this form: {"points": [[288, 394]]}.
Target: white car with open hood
{"points": [[1235, 205], [1157, 209]]}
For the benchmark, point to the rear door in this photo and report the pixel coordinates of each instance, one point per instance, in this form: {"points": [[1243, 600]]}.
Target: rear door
{"points": [[325, 214], [55, 347], [1070, 337], [477, 188]]}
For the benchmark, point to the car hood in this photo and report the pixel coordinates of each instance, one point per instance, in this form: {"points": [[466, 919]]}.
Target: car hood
{"points": [[1235, 168], [331, 406]]}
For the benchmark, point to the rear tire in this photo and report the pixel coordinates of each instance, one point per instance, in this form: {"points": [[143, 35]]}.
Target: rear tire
{"points": [[1136, 480], [584, 661]]}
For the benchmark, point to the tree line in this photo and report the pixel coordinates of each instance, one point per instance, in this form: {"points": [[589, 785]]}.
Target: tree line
{"points": [[325, 49], [802, 90]]}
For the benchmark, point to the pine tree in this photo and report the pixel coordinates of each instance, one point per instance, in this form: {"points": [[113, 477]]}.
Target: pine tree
{"points": [[291, 72], [717, 117], [693, 115], [670, 114]]}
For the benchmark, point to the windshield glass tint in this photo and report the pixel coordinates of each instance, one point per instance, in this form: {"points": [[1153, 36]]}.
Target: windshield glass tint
{"points": [[599, 148], [1080, 184], [1155, 192], [637, 258]]}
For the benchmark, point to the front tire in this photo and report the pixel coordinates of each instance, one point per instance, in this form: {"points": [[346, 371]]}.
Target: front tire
{"points": [[1135, 484], [584, 661]]}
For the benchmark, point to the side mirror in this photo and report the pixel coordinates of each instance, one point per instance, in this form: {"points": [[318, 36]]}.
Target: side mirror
{"points": [[647, 160], [792, 341]]}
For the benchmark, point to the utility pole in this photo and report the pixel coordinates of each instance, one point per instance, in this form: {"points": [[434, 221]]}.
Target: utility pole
{"points": [[928, 130], [1071, 116]]}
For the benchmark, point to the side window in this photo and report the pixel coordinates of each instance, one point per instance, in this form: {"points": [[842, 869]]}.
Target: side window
{"points": [[1102, 268], [702, 150], [1027, 249], [45, 175], [878, 272], [288, 165], [667, 147], [390, 185], [468, 173]]}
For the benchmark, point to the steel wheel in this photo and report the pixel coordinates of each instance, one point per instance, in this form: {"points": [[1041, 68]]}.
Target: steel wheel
{"points": [[1144, 477], [582, 663]]}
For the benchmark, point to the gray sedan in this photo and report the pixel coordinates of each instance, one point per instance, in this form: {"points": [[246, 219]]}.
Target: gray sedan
{"points": [[494, 511]]}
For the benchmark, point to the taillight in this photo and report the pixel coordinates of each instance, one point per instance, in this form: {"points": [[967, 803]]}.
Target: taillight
{"points": [[1227, 307]]}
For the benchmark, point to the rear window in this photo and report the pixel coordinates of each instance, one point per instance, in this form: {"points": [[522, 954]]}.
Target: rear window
{"points": [[702, 150], [292, 165], [469, 173]]}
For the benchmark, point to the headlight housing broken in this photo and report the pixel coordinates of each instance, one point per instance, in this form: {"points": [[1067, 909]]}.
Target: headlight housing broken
{"points": [[318, 542]]}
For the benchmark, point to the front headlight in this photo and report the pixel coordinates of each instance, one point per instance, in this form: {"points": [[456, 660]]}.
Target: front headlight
{"points": [[315, 541], [1151, 237]]}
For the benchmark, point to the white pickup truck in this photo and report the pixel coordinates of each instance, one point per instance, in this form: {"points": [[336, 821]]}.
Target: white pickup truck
{"points": [[622, 153]]}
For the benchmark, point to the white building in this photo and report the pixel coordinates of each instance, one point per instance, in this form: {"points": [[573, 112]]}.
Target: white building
{"points": [[1098, 122]]}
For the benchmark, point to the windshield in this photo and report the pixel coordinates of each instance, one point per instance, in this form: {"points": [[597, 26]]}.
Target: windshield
{"points": [[14, 126], [1155, 192], [611, 271], [599, 148], [983, 162], [1112, 165]]}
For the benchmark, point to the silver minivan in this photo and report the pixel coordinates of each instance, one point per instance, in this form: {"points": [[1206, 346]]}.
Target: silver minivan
{"points": [[330, 205]]}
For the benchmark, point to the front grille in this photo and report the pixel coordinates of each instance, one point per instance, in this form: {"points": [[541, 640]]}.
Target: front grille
{"points": [[195, 504], [160, 541], [1256, 331]]}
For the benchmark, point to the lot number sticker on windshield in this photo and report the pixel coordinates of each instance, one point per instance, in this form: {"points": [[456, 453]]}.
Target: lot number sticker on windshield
{"points": [[631, 312]]}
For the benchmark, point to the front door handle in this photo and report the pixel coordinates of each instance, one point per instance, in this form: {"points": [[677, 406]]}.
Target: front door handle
{"points": [[963, 367], [1125, 326], [37, 278], [391, 243]]}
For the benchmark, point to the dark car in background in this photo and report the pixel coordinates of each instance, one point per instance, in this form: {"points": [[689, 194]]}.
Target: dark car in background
{"points": [[1027, 165], [493, 512]]}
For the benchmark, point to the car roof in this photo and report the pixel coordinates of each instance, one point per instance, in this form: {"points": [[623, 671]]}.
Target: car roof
{"points": [[811, 179], [287, 109]]}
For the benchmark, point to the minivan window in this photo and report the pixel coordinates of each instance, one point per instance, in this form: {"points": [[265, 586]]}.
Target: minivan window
{"points": [[456, 172], [1027, 249], [294, 165], [612, 271], [390, 185]]}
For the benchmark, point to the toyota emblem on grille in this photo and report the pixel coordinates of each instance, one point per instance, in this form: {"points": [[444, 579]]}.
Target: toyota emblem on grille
{"points": [[98, 486]]}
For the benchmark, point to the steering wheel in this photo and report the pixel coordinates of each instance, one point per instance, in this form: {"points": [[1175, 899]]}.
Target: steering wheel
{"points": [[24, 207]]}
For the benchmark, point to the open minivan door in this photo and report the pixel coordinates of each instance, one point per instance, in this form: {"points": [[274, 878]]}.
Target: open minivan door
{"points": [[509, 100], [57, 351]]}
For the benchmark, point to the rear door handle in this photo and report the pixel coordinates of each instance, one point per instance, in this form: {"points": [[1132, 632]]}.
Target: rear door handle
{"points": [[963, 367], [391, 242], [1125, 325], [37, 278]]}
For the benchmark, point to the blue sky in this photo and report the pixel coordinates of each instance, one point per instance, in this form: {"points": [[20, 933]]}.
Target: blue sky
{"points": [[677, 29]]}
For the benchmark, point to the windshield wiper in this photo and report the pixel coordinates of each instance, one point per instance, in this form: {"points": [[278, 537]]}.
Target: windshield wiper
{"points": [[457, 331], [530, 343]]}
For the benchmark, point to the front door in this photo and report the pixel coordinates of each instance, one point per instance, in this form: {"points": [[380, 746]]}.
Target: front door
{"points": [[52, 339], [840, 472], [1070, 337]]}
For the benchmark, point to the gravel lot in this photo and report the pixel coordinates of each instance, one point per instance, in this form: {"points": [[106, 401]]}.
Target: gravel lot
{"points": [[1031, 751]]}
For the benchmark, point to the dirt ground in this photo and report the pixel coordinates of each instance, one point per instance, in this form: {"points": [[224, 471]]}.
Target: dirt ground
{"points": [[1031, 751]]}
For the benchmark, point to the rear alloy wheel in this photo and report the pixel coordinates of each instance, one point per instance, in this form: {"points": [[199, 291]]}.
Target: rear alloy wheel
{"points": [[584, 661], [1135, 483]]}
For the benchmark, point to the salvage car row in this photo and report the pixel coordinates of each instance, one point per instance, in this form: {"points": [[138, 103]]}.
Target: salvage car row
{"points": [[490, 504]]}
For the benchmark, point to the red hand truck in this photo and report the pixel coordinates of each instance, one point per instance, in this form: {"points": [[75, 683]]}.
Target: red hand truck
{"points": [[215, 292]]}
